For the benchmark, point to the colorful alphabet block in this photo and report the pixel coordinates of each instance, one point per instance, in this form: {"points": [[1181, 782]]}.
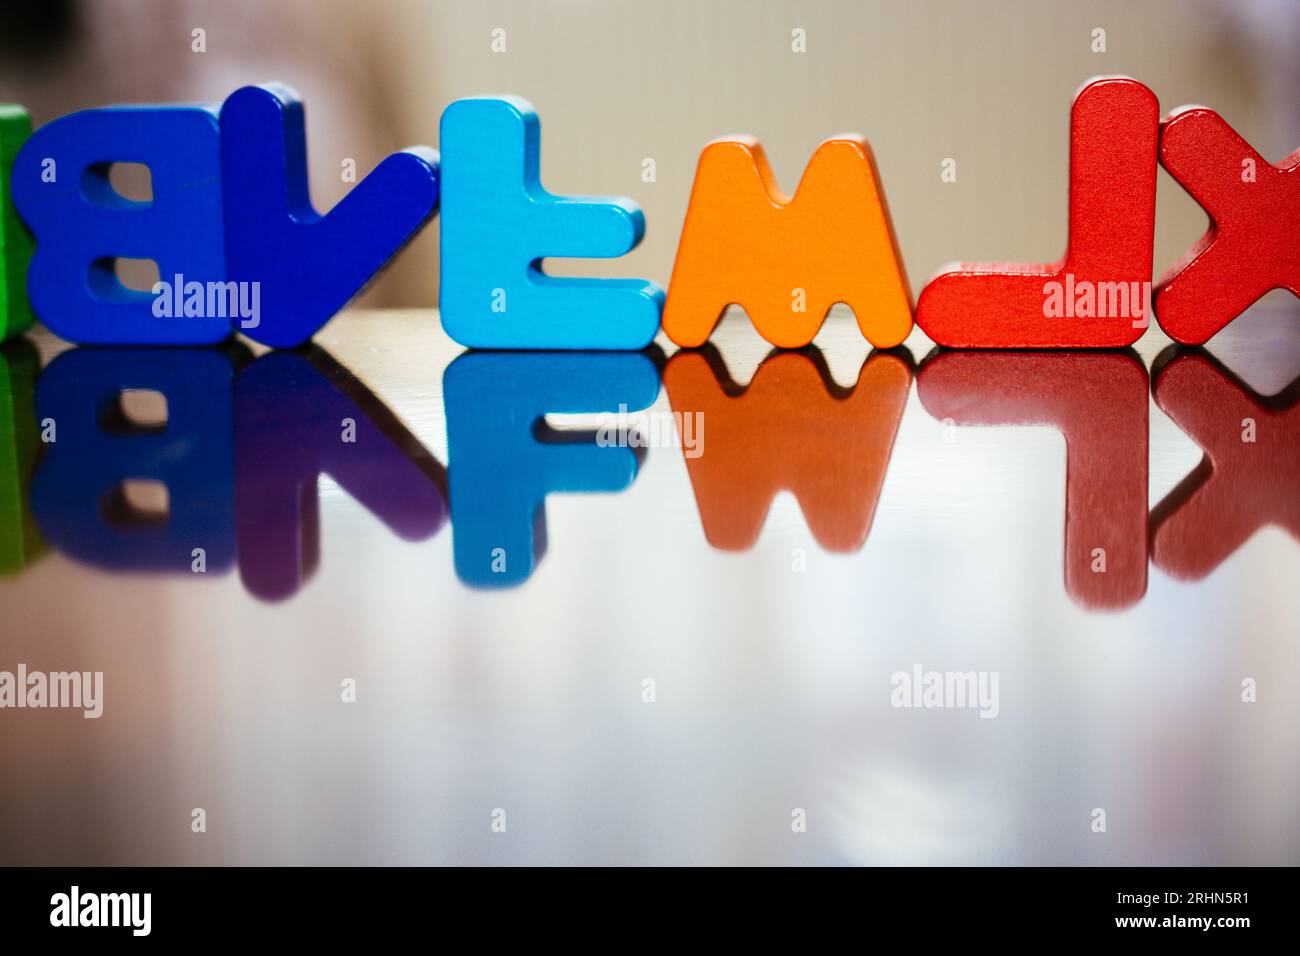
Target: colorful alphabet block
{"points": [[237, 243], [304, 266], [15, 240], [1251, 246], [82, 224], [1098, 295], [787, 261], [498, 223]]}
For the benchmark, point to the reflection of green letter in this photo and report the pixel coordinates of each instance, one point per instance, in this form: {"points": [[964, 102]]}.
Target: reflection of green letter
{"points": [[15, 240], [19, 541]]}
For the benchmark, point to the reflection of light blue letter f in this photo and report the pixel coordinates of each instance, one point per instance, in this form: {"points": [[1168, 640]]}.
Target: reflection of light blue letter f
{"points": [[497, 225], [503, 459]]}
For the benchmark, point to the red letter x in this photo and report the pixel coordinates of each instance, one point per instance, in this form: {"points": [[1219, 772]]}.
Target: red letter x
{"points": [[1251, 246]]}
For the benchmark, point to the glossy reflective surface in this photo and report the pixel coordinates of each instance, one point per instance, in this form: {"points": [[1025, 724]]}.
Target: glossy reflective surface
{"points": [[501, 550]]}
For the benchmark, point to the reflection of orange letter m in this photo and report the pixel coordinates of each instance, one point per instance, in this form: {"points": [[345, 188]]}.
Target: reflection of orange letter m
{"points": [[792, 429], [787, 261]]}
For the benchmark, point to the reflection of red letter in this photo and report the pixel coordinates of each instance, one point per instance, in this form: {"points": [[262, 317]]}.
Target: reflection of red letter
{"points": [[1087, 300], [793, 429], [1251, 246], [1099, 402], [1249, 477]]}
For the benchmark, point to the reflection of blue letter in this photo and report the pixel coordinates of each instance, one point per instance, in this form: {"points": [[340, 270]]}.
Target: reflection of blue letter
{"points": [[498, 223], [503, 461], [82, 224], [78, 496], [299, 415], [308, 265]]}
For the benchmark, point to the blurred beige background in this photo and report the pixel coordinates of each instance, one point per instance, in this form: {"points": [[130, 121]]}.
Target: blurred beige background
{"points": [[988, 84]]}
